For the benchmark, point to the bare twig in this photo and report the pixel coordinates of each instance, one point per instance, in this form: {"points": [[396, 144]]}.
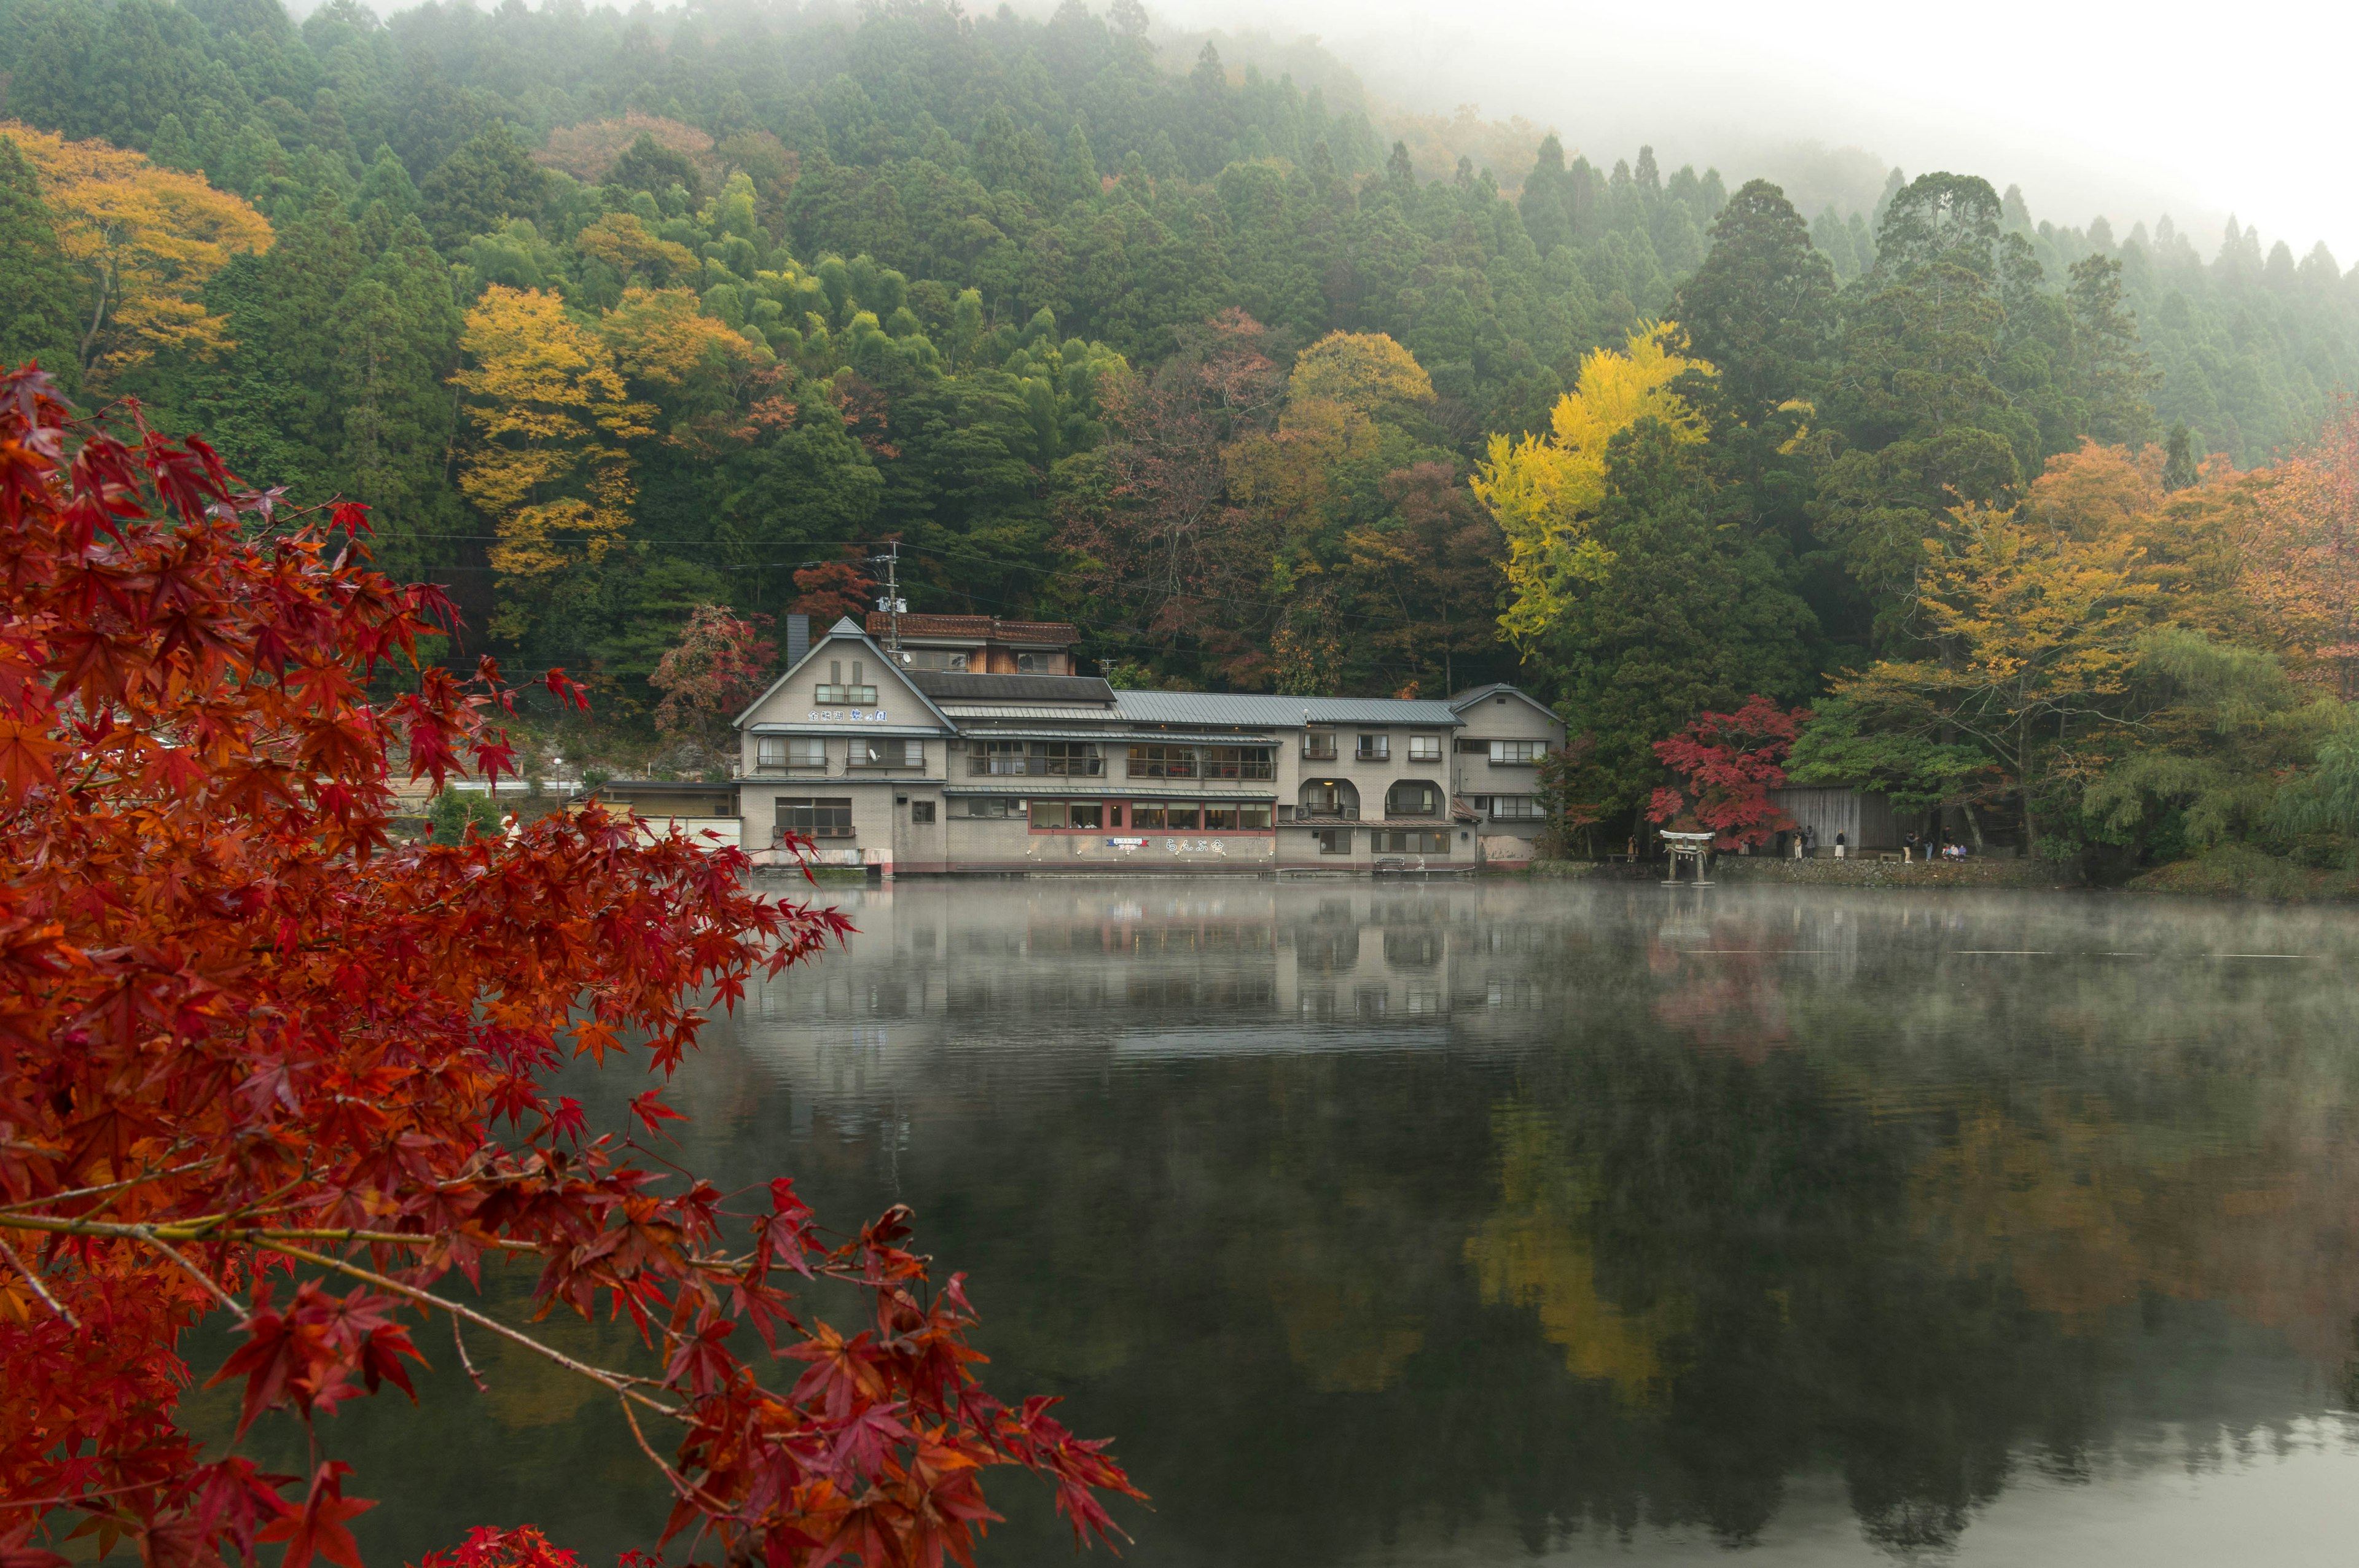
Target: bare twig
{"points": [[680, 1483], [109, 1188], [39, 1289], [459, 1342]]}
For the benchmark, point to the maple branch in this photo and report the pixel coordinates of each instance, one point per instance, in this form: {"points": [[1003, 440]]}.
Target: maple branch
{"points": [[108, 1187], [147, 1235], [459, 1343], [39, 1289], [620, 1382], [685, 1486]]}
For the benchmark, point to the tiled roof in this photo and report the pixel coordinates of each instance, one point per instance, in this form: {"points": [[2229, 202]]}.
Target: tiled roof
{"points": [[951, 685], [1278, 712], [981, 628]]}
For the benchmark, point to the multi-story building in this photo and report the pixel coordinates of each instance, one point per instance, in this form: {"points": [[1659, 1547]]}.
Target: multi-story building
{"points": [[900, 759]]}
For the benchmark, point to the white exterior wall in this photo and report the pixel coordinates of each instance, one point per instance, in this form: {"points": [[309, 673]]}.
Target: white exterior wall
{"points": [[888, 803]]}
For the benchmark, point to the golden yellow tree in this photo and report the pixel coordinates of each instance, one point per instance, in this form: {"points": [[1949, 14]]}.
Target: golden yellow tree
{"points": [[2033, 639], [550, 413], [1546, 492], [693, 366], [625, 244], [144, 240]]}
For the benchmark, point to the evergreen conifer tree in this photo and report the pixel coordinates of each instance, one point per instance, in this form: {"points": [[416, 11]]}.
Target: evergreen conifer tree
{"points": [[37, 288]]}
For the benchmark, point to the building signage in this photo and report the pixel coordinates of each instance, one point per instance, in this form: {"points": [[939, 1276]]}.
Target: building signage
{"points": [[854, 717], [1126, 843]]}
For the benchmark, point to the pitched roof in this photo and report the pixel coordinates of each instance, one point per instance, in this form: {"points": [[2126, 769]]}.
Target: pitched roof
{"points": [[952, 686], [1277, 712], [981, 628], [1461, 701], [843, 628]]}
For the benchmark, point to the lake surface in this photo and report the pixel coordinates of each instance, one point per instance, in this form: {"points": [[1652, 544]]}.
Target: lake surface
{"points": [[1499, 1222]]}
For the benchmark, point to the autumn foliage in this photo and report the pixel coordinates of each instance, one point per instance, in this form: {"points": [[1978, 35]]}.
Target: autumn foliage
{"points": [[1725, 765], [710, 674], [258, 1056]]}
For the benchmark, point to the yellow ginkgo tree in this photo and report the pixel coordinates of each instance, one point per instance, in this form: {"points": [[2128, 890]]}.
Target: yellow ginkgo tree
{"points": [[551, 415], [1546, 492], [144, 240]]}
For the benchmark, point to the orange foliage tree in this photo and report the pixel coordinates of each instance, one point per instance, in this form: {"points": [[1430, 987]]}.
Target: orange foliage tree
{"points": [[2301, 557], [258, 1056], [145, 240]]}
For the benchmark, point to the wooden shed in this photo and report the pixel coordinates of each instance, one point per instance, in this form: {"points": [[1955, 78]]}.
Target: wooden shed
{"points": [[1864, 818]]}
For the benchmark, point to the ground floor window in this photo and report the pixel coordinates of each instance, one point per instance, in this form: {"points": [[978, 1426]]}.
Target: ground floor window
{"points": [[1190, 816], [1081, 814], [815, 817], [1411, 841], [921, 811], [1335, 840], [995, 810]]}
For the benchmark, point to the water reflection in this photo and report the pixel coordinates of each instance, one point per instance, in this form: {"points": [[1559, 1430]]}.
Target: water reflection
{"points": [[1453, 1224]]}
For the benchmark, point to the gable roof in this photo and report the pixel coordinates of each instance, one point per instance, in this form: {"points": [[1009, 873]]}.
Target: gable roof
{"points": [[1473, 697], [843, 630], [1277, 712]]}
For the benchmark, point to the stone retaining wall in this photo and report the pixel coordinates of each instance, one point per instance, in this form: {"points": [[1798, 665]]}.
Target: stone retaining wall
{"points": [[1827, 872]]}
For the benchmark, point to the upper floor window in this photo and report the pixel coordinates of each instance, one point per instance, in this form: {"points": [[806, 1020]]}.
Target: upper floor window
{"points": [[1374, 748], [1066, 759], [837, 692], [890, 751], [1514, 809], [1518, 752], [790, 752], [1030, 665], [1319, 746], [1330, 797], [1238, 763], [1163, 761], [1413, 797], [935, 659], [1425, 748]]}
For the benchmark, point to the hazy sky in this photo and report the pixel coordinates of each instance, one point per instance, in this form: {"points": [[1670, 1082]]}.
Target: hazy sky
{"points": [[2128, 111]]}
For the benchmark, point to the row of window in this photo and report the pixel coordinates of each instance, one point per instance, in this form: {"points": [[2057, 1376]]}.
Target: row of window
{"points": [[810, 752], [1140, 816], [1081, 759], [1374, 746], [830, 817]]}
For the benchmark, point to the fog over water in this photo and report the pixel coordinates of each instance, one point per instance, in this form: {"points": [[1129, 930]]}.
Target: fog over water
{"points": [[1394, 1224]]}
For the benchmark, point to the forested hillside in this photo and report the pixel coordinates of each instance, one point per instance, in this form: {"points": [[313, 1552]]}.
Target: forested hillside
{"points": [[609, 317]]}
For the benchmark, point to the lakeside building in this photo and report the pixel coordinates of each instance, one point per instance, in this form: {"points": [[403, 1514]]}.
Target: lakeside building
{"points": [[971, 747]]}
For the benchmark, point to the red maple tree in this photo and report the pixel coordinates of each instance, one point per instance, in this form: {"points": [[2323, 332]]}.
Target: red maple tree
{"points": [[832, 589], [718, 666], [1726, 765], [258, 1056]]}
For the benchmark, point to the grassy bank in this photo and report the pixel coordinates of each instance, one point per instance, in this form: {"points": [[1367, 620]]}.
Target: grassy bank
{"points": [[2238, 873]]}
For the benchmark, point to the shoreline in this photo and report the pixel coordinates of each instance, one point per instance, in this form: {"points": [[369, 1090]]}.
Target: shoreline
{"points": [[2252, 878]]}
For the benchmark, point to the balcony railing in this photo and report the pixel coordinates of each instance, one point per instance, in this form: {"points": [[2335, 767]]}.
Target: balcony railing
{"points": [[996, 765]]}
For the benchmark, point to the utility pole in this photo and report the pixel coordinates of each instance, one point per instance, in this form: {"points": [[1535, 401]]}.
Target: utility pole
{"points": [[892, 604]]}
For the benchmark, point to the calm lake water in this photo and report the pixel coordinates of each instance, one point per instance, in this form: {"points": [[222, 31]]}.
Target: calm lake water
{"points": [[1487, 1223]]}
